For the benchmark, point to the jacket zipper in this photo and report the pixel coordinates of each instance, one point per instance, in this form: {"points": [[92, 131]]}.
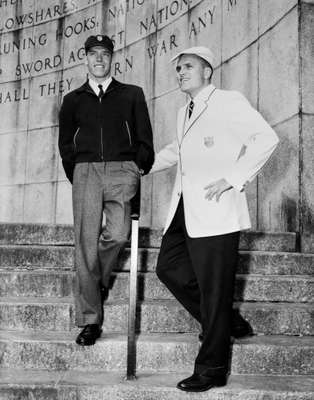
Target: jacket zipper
{"points": [[75, 135], [101, 139], [129, 133]]}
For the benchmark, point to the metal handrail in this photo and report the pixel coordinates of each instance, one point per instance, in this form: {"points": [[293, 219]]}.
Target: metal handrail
{"points": [[131, 345]]}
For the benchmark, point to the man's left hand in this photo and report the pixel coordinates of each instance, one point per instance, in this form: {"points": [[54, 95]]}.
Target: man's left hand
{"points": [[216, 189]]}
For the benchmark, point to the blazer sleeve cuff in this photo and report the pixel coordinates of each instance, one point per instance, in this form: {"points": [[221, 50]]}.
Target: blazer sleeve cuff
{"points": [[235, 181]]}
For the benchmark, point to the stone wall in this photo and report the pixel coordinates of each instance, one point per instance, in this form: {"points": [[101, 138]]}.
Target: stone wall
{"points": [[263, 48]]}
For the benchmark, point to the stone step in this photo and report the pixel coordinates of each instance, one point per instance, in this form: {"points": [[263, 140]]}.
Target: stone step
{"points": [[37, 283], [55, 314], [169, 316], [264, 355], [282, 288], [76, 385], [61, 258], [290, 288], [63, 235], [47, 314]]}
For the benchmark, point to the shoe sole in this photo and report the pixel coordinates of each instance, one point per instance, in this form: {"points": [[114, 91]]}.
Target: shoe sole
{"points": [[247, 335], [200, 390], [89, 343], [86, 344]]}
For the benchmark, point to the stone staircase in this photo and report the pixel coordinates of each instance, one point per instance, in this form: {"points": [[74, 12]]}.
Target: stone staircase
{"points": [[39, 359]]}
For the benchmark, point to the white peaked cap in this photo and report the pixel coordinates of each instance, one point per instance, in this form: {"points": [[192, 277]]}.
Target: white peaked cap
{"points": [[200, 51]]}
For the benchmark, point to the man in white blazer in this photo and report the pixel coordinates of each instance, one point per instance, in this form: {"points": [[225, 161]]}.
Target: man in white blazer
{"points": [[221, 144]]}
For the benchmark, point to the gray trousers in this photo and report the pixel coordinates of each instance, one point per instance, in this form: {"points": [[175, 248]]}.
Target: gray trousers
{"points": [[101, 196]]}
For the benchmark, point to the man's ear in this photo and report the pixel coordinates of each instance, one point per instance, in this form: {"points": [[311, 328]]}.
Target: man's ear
{"points": [[208, 73]]}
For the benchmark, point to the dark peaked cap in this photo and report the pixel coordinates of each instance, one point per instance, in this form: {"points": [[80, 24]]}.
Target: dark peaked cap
{"points": [[99, 40]]}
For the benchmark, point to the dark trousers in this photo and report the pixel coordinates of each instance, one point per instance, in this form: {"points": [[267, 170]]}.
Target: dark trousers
{"points": [[101, 206], [200, 273]]}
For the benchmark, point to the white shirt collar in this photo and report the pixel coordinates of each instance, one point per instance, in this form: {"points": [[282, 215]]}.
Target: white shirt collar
{"points": [[204, 93], [94, 85]]}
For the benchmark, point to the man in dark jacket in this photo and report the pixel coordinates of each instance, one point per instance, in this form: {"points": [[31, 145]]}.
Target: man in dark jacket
{"points": [[106, 144]]}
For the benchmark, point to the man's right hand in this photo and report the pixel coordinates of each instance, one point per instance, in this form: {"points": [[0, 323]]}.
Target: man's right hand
{"points": [[216, 189]]}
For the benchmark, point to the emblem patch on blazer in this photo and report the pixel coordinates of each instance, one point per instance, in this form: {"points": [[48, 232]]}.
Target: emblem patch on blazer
{"points": [[209, 141]]}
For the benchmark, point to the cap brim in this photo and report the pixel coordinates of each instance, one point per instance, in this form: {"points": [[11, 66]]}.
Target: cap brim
{"points": [[190, 53], [177, 56]]}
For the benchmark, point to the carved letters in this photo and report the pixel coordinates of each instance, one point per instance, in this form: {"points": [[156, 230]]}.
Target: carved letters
{"points": [[26, 54]]}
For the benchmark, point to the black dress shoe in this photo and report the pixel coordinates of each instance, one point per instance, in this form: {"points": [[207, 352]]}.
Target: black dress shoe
{"points": [[200, 383], [88, 335], [242, 331], [240, 327], [237, 331]]}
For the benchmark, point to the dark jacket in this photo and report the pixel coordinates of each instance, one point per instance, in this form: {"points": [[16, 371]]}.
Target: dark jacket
{"points": [[117, 128]]}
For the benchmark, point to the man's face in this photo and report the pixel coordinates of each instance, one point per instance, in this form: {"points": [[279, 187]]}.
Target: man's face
{"points": [[191, 74], [99, 62]]}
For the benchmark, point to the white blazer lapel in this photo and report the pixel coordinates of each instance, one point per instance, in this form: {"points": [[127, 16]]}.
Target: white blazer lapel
{"points": [[199, 108], [181, 122]]}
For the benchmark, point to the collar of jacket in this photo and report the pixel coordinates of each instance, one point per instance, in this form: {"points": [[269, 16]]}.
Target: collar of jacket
{"points": [[204, 94], [86, 88], [201, 103]]}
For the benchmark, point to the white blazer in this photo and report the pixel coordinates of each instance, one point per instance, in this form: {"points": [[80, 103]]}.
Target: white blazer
{"points": [[224, 138]]}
